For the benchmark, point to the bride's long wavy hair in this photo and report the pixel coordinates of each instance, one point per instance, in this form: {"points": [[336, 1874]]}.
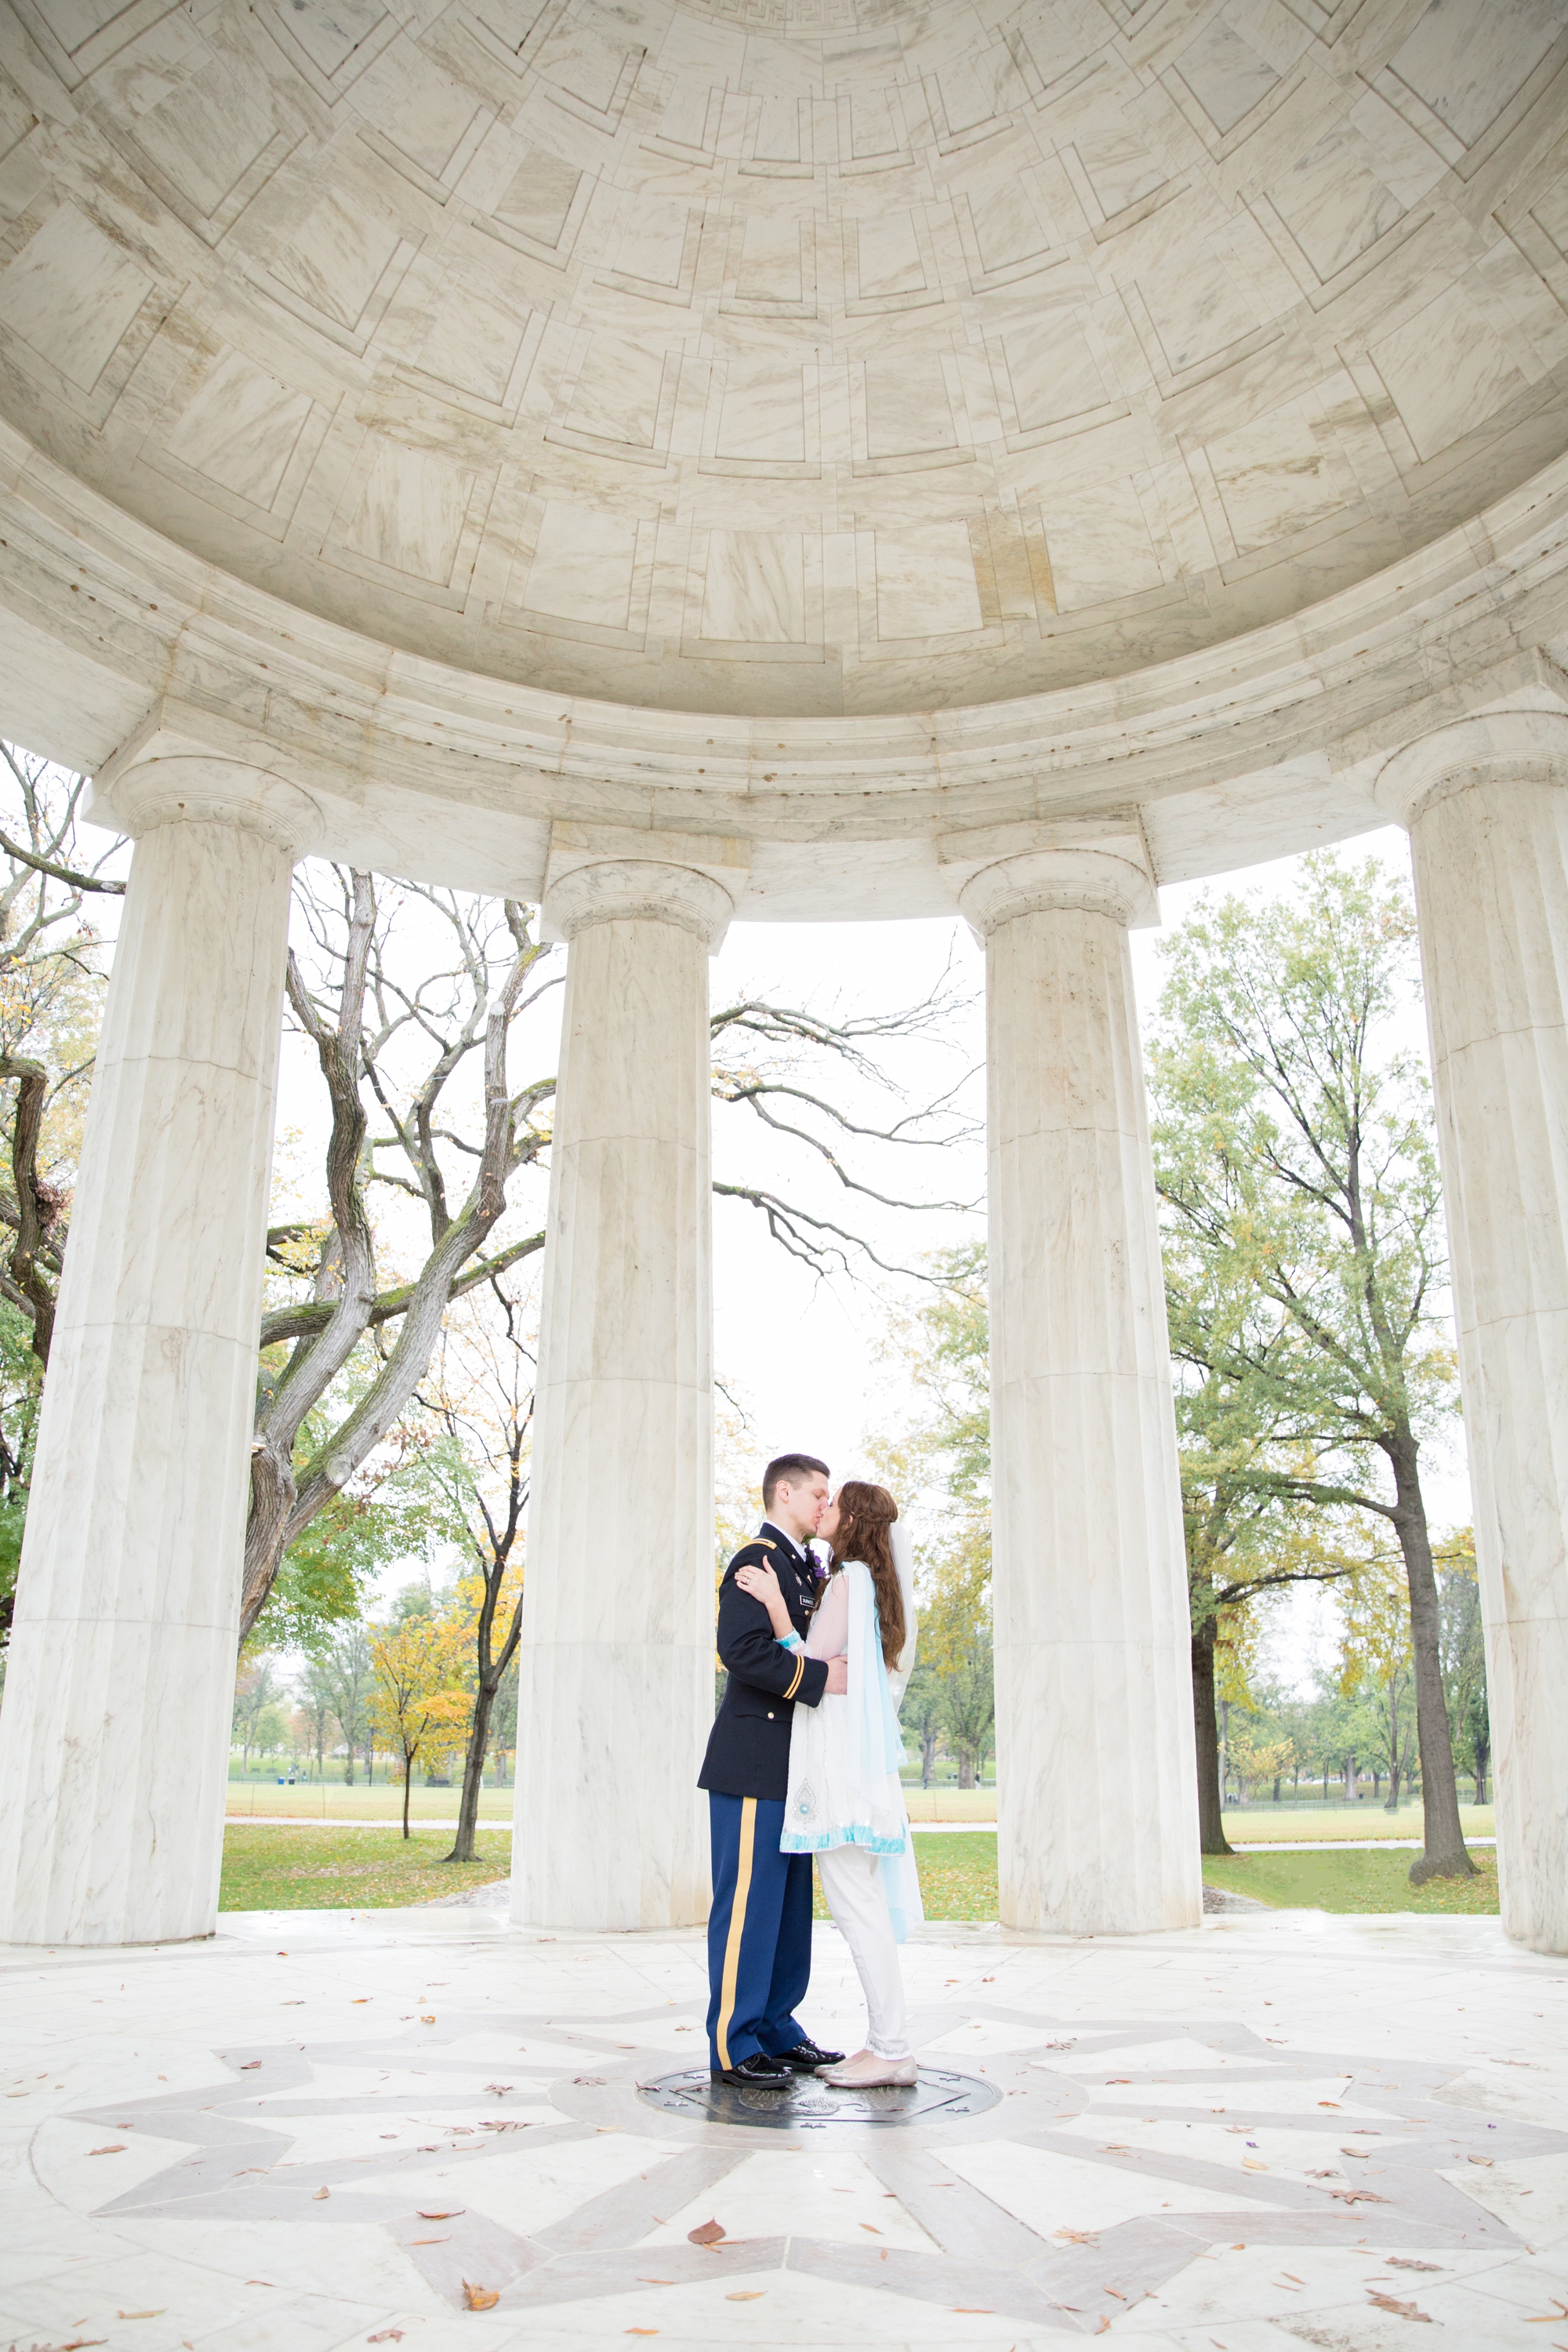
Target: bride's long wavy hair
{"points": [[864, 1515]]}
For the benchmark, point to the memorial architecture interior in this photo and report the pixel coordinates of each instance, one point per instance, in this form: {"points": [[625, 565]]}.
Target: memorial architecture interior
{"points": [[682, 461]]}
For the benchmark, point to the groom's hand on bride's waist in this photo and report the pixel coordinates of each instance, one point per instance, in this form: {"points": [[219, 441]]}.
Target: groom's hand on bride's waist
{"points": [[837, 1682]]}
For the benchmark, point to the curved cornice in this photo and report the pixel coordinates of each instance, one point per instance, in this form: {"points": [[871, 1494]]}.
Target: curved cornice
{"points": [[1270, 744]]}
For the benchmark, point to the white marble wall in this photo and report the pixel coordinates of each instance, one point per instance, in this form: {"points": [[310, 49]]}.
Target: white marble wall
{"points": [[114, 1732], [617, 1662], [1094, 1734], [1487, 803]]}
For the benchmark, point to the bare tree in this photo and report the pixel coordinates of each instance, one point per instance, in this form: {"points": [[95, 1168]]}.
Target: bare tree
{"points": [[392, 1051], [486, 1457], [362, 1017], [47, 952]]}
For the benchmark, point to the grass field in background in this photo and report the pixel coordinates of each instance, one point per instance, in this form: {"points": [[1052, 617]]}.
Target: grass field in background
{"points": [[1282, 1824], [329, 1801], [305, 1869], [310, 1867], [951, 1804], [1351, 1882]]}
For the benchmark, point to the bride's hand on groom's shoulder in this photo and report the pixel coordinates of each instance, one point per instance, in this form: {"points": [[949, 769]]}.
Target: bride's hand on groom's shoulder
{"points": [[760, 1583]]}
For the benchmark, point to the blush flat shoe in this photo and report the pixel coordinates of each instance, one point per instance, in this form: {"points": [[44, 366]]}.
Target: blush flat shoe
{"points": [[867, 2072]]}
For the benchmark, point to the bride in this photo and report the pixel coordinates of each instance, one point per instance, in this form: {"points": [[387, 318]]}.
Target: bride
{"points": [[846, 1802]]}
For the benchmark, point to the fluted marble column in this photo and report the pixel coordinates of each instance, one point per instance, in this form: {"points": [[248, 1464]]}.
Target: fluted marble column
{"points": [[119, 1689], [1094, 1728], [1486, 801], [617, 1661]]}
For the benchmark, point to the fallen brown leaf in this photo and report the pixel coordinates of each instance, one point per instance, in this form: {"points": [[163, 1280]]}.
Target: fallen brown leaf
{"points": [[426, 2021], [589, 2081], [387, 2335], [872, 2227], [707, 2233], [652, 2282], [1391, 2303], [444, 2240], [745, 2295], [1358, 2197], [316, 2195], [1079, 2237], [480, 2298], [250, 2065], [116, 2148], [443, 2213], [142, 2315], [1482, 2159], [1532, 2319], [1403, 2263]]}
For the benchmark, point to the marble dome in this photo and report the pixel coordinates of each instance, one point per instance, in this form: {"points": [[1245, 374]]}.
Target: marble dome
{"points": [[801, 357]]}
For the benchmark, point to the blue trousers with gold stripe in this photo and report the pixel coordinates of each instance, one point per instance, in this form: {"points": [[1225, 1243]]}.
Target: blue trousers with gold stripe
{"points": [[759, 1931]]}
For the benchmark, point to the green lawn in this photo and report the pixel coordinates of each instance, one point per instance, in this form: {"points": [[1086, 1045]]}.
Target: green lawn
{"points": [[317, 1868], [267, 1869], [329, 1801], [1304, 1824], [1351, 1882]]}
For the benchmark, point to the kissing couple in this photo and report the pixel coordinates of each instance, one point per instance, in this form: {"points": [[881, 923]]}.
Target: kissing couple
{"points": [[804, 1760]]}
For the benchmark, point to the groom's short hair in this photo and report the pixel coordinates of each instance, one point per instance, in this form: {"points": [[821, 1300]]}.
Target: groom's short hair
{"points": [[791, 1467]]}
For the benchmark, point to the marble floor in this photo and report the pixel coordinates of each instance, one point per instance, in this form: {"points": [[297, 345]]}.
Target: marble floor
{"points": [[322, 2129]]}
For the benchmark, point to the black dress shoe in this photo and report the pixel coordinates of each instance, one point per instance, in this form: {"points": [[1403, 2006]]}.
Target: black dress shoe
{"points": [[758, 2069], [805, 2058]]}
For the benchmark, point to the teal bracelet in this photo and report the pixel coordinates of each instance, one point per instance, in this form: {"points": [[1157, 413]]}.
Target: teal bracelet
{"points": [[789, 1640]]}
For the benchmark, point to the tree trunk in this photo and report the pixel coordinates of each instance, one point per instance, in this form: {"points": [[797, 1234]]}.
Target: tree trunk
{"points": [[1211, 1838], [1444, 1855], [407, 1785], [927, 1758], [1350, 1781], [474, 1769], [967, 1767]]}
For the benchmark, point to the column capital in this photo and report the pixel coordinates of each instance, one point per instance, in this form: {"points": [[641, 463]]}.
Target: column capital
{"points": [[1507, 746], [165, 778], [1028, 869], [609, 873]]}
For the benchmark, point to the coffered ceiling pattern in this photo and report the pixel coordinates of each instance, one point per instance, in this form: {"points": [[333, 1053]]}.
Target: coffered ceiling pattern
{"points": [[794, 356]]}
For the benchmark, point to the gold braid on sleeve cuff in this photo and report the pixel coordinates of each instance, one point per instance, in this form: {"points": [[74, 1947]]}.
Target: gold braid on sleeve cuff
{"points": [[799, 1671]]}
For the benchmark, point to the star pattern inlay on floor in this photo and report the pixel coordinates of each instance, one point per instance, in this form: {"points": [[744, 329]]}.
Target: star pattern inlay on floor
{"points": [[320, 2130]]}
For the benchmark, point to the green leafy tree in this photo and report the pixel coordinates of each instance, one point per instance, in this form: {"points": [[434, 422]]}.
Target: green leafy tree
{"points": [[1465, 1655], [256, 1691], [1377, 1664], [1297, 1154], [341, 1653], [314, 1689], [921, 1715], [940, 1468]]}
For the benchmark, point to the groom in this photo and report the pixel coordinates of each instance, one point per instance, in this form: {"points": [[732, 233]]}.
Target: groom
{"points": [[759, 1931]]}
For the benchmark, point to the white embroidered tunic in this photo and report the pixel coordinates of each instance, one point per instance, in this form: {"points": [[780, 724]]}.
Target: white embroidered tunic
{"points": [[845, 1752]]}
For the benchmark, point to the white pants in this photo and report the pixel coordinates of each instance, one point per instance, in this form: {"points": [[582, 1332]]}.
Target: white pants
{"points": [[852, 1884]]}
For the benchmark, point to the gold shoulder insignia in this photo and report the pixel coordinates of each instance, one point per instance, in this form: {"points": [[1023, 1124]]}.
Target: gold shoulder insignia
{"points": [[767, 1543]]}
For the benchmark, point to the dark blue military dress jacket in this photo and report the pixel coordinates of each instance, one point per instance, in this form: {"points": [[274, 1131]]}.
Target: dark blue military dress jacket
{"points": [[748, 1750]]}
